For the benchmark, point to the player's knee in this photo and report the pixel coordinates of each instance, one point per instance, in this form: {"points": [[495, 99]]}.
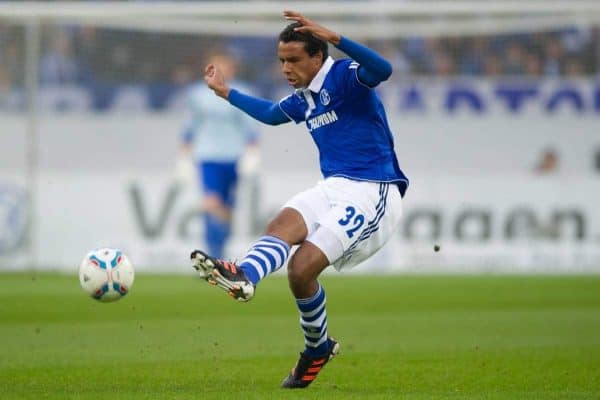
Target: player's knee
{"points": [[288, 226], [274, 227]]}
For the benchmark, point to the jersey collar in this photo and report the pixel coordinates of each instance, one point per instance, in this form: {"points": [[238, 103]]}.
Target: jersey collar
{"points": [[317, 82]]}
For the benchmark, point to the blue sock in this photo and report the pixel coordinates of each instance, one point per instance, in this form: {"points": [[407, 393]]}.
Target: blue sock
{"points": [[216, 234], [313, 320], [267, 255]]}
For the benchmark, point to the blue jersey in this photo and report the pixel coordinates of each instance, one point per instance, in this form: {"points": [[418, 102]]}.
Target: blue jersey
{"points": [[348, 123]]}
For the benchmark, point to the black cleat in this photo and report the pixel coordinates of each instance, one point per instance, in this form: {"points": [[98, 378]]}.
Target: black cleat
{"points": [[223, 274], [307, 368]]}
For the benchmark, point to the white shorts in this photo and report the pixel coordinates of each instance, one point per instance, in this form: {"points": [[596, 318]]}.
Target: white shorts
{"points": [[349, 220]]}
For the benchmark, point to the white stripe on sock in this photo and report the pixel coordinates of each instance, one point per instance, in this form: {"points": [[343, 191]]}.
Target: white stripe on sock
{"points": [[316, 344], [314, 312]]}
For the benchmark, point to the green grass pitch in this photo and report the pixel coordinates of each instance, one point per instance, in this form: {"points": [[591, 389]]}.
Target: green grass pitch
{"points": [[402, 337]]}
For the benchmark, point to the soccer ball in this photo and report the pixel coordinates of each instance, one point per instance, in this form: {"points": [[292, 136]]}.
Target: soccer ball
{"points": [[106, 274]]}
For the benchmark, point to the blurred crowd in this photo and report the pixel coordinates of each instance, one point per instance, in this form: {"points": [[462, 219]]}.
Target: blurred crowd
{"points": [[570, 53], [101, 60]]}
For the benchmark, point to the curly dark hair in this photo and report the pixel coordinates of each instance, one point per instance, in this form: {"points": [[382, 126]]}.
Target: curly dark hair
{"points": [[312, 44]]}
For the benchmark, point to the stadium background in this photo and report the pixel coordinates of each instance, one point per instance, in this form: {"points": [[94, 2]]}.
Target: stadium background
{"points": [[495, 107], [93, 103]]}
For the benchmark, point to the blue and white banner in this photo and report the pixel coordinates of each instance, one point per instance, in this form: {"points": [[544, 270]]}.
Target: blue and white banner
{"points": [[500, 224], [452, 96]]}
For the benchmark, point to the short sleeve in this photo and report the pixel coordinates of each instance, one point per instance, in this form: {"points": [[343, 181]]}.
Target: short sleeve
{"points": [[293, 107]]}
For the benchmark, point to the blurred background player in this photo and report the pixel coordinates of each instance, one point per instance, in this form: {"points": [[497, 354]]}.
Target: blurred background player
{"points": [[217, 137]]}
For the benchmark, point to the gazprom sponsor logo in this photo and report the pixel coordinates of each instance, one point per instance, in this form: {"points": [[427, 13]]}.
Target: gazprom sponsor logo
{"points": [[13, 217], [321, 120]]}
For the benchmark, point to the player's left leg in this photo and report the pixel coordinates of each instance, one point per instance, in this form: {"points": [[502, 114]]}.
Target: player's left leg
{"points": [[359, 219], [303, 269]]}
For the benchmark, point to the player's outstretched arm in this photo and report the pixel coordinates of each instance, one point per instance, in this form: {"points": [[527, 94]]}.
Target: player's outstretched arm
{"points": [[373, 67], [259, 109]]}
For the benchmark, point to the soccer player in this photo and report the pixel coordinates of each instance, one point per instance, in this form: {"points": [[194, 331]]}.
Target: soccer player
{"points": [[218, 135], [349, 215]]}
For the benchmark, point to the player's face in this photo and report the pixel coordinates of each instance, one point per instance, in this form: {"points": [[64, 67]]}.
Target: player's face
{"points": [[298, 67]]}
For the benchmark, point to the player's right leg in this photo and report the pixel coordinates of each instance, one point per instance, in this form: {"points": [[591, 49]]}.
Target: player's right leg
{"points": [[226, 275], [266, 256]]}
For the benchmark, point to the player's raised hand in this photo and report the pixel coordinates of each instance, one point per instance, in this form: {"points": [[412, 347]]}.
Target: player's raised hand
{"points": [[312, 27], [216, 81]]}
